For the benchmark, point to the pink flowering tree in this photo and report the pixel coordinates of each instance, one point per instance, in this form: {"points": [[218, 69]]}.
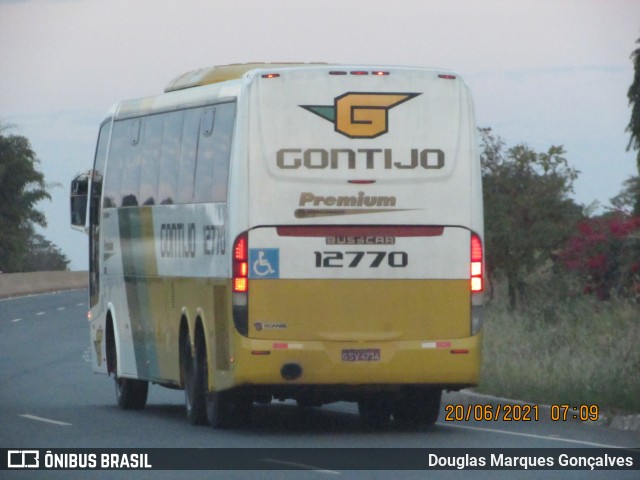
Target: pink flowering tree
{"points": [[605, 251]]}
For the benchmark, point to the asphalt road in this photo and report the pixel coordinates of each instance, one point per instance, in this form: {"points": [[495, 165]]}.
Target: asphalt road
{"points": [[50, 399]]}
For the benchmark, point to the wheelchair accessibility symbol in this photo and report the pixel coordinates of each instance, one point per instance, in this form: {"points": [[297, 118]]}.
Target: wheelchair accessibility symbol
{"points": [[265, 262]]}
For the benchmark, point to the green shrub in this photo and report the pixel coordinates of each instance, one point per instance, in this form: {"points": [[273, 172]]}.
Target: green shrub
{"points": [[563, 347]]}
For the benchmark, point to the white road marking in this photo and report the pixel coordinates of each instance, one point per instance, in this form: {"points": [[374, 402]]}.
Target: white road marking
{"points": [[61, 308], [15, 320], [301, 465], [80, 304], [531, 435], [42, 419], [40, 313]]}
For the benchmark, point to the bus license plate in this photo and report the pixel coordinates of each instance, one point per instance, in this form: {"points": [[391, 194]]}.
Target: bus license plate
{"points": [[361, 355]]}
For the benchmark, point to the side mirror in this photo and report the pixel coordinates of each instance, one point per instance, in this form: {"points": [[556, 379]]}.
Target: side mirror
{"points": [[79, 197]]}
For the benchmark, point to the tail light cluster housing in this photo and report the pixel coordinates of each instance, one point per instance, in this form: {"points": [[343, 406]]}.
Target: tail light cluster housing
{"points": [[477, 269], [240, 283]]}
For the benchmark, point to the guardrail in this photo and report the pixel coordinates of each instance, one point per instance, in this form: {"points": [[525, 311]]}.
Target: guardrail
{"points": [[17, 284]]}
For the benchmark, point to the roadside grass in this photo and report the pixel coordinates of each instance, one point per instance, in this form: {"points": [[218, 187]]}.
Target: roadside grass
{"points": [[563, 349]]}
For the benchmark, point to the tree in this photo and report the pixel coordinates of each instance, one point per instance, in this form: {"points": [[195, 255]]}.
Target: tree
{"points": [[528, 212], [605, 249], [605, 252], [634, 100], [42, 255], [22, 186], [627, 202]]}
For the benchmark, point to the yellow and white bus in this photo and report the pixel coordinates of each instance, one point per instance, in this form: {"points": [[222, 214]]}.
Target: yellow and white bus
{"points": [[288, 231]]}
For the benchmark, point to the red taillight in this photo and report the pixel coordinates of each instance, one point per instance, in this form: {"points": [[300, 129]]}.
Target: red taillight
{"points": [[240, 249], [271, 75], [477, 282], [241, 265]]}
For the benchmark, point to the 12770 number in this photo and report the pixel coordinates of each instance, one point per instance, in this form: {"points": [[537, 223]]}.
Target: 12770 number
{"points": [[353, 259]]}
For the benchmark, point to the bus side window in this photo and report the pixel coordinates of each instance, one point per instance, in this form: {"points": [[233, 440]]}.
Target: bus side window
{"points": [[132, 156], [150, 159], [222, 138], [186, 175], [212, 169], [119, 141], [169, 164], [205, 157]]}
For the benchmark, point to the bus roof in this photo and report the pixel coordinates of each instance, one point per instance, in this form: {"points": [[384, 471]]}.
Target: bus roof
{"points": [[221, 73]]}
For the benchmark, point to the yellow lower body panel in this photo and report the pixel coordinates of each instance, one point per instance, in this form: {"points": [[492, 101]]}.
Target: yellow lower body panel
{"points": [[359, 309], [454, 362]]}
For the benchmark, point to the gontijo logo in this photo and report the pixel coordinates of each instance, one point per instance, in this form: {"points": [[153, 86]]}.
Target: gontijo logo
{"points": [[361, 115]]}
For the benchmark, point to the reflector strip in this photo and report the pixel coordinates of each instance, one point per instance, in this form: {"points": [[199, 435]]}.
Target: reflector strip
{"points": [[328, 231], [287, 346], [436, 344]]}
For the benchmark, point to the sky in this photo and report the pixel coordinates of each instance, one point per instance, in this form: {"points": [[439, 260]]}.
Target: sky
{"points": [[542, 72]]}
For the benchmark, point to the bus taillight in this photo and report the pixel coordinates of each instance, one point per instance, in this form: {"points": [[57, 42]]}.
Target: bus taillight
{"points": [[240, 284], [240, 265], [477, 283]]}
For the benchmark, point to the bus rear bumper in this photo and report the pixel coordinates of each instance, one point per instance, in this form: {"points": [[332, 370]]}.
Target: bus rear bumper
{"points": [[445, 363]]}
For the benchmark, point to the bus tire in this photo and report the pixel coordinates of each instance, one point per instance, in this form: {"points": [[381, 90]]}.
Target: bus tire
{"points": [[225, 410], [195, 380], [417, 406], [375, 410], [218, 409], [131, 394], [243, 411]]}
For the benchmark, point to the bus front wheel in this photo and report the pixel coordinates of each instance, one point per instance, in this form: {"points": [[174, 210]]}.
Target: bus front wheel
{"points": [[131, 394]]}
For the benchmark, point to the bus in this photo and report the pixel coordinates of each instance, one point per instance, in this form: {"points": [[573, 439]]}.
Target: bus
{"points": [[301, 232]]}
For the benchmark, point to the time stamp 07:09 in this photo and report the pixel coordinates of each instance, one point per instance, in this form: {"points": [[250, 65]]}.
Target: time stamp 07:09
{"points": [[519, 413]]}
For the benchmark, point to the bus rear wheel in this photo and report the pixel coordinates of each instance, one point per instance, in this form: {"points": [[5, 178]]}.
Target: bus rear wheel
{"points": [[225, 409], [218, 409], [194, 374], [415, 406], [375, 410]]}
